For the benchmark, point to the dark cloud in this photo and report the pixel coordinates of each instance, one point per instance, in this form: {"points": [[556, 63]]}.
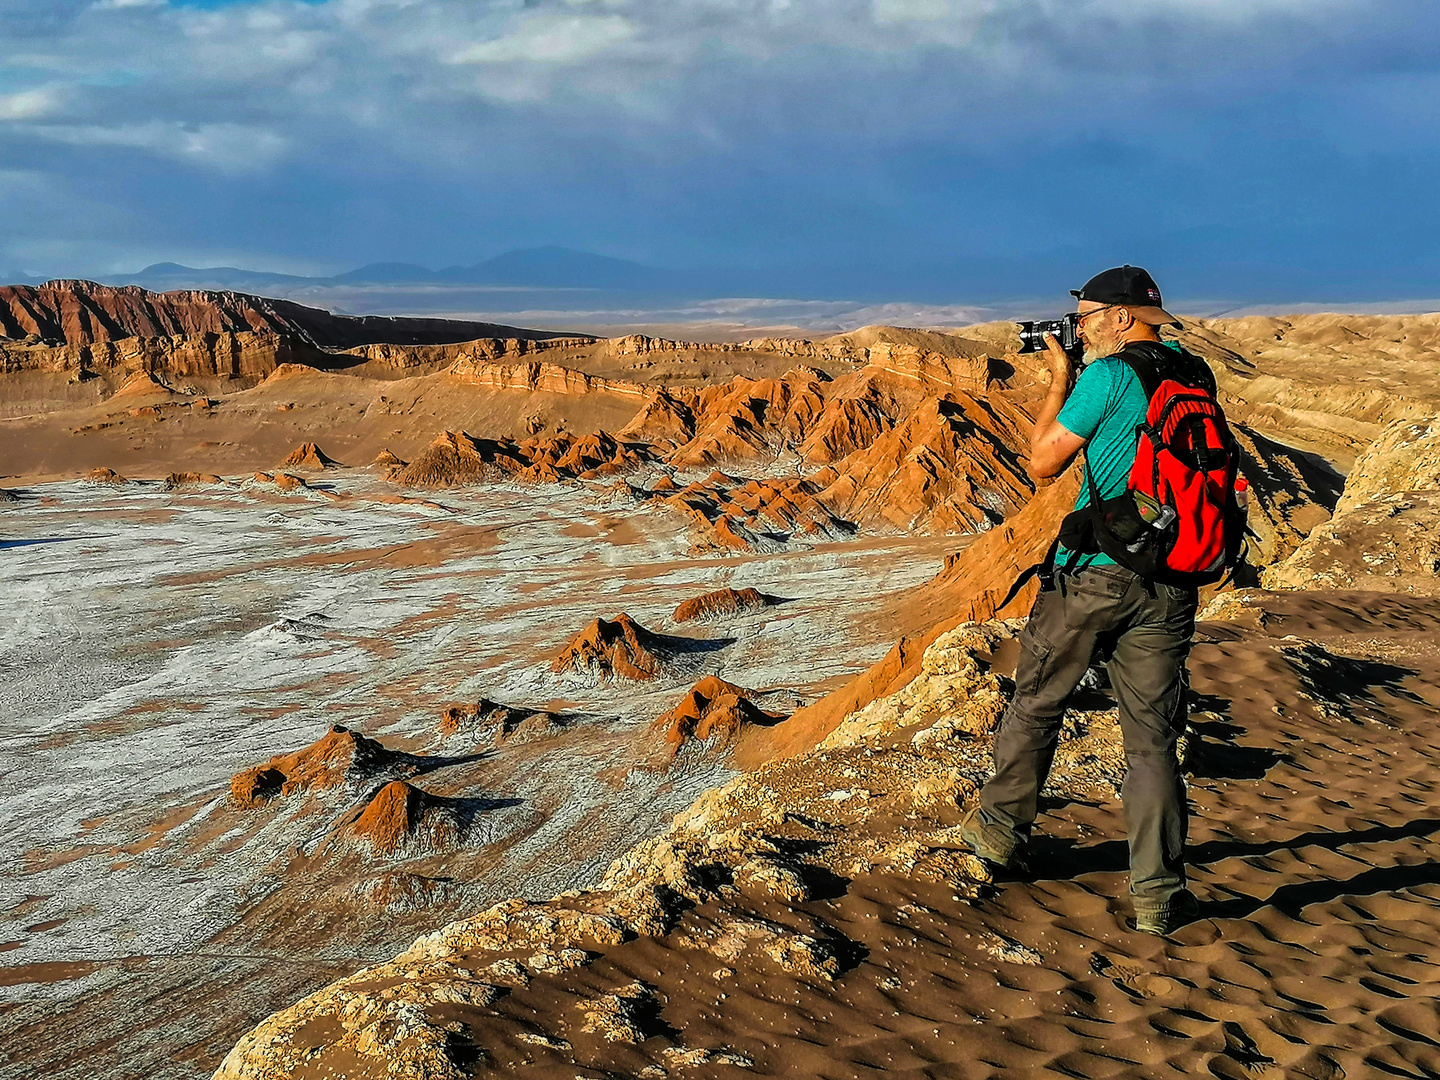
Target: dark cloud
{"points": [[899, 147]]}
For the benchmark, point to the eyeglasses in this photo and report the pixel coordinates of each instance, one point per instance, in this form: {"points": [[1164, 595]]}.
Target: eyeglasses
{"points": [[1081, 317]]}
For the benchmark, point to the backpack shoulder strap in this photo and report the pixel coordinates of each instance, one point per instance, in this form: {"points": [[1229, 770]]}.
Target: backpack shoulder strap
{"points": [[1153, 363], [1148, 368]]}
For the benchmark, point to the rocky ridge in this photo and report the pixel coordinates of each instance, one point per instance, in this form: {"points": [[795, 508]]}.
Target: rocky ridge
{"points": [[84, 313], [887, 456]]}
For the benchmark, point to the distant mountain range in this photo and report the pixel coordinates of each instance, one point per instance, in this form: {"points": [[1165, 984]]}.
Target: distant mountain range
{"points": [[530, 268], [1194, 264], [541, 271]]}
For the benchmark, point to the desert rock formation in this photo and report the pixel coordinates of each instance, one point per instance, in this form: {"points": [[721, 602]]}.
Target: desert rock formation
{"points": [[899, 444], [714, 712], [402, 817], [720, 604], [456, 458], [245, 356], [488, 723], [340, 758], [308, 456], [616, 649]]}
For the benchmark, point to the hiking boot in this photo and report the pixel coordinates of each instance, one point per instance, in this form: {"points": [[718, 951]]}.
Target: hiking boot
{"points": [[992, 850], [1165, 916]]}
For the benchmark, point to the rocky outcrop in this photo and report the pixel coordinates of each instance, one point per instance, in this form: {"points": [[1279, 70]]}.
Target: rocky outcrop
{"points": [[455, 458], [845, 426], [584, 457], [1385, 532], [487, 723], [617, 649], [1406, 457], [536, 376], [730, 514], [956, 693], [141, 384], [954, 465], [402, 818], [720, 604], [666, 416], [934, 359], [289, 482], [308, 456], [465, 356], [714, 713], [744, 419], [340, 759], [178, 480]]}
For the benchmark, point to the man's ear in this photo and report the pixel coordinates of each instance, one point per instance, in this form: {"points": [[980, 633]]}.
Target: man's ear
{"points": [[1127, 318]]}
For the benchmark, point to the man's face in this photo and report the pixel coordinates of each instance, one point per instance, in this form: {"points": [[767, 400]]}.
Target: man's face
{"points": [[1100, 327]]}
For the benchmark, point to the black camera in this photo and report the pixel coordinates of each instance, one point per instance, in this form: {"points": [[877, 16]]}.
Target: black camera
{"points": [[1066, 331]]}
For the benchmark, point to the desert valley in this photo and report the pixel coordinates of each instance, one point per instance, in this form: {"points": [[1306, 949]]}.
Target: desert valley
{"points": [[417, 698]]}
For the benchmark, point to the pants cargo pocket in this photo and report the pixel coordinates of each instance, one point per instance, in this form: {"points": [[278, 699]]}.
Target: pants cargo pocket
{"points": [[1035, 664]]}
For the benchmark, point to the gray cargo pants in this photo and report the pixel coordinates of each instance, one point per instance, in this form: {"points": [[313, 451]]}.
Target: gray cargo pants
{"points": [[1146, 633]]}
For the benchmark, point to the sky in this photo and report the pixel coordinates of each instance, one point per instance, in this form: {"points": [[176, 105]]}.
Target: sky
{"points": [[946, 150]]}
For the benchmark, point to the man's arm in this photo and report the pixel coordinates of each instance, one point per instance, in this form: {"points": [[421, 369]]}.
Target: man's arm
{"points": [[1052, 446]]}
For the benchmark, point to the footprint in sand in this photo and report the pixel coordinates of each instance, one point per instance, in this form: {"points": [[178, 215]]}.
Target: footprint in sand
{"points": [[1135, 981]]}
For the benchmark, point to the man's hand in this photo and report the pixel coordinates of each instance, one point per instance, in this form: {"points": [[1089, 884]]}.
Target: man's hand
{"points": [[1060, 363], [1052, 447]]}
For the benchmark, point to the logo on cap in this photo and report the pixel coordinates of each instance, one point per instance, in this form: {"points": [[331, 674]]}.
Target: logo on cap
{"points": [[1154, 294]]}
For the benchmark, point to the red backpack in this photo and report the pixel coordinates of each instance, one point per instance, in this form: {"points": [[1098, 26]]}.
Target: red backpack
{"points": [[1178, 520]]}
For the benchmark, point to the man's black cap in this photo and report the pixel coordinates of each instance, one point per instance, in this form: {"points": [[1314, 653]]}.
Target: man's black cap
{"points": [[1130, 286]]}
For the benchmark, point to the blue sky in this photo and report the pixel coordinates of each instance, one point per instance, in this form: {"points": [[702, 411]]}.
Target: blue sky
{"points": [[952, 150]]}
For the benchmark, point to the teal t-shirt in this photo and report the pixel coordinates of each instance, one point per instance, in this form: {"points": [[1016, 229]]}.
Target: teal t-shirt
{"points": [[1106, 406]]}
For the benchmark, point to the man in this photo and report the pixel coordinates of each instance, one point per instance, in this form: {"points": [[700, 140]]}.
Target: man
{"points": [[1096, 607]]}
